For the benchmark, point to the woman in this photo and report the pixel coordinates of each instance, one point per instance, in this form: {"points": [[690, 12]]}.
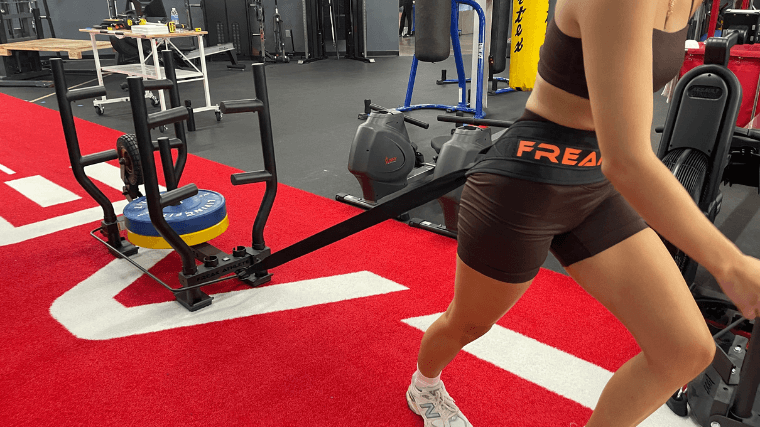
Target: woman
{"points": [[543, 186]]}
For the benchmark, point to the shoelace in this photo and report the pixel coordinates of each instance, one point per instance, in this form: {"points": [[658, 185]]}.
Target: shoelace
{"points": [[446, 402]]}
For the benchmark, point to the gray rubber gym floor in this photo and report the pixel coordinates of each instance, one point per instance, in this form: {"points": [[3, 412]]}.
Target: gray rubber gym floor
{"points": [[314, 113]]}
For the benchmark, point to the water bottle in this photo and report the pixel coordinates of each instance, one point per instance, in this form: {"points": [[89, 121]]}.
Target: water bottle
{"points": [[175, 16]]}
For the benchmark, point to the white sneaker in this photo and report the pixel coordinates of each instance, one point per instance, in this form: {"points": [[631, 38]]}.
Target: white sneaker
{"points": [[435, 406]]}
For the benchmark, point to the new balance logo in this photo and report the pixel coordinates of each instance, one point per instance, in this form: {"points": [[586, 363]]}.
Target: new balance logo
{"points": [[430, 413]]}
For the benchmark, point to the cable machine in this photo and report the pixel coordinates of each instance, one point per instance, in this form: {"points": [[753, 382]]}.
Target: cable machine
{"points": [[338, 20], [241, 23]]}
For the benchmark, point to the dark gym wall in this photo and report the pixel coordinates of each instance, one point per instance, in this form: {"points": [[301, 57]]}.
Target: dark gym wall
{"points": [[382, 20], [382, 25], [71, 15]]}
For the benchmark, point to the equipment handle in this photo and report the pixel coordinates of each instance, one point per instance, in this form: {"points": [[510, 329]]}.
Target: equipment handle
{"points": [[747, 133], [241, 106], [177, 195], [158, 84], [476, 122], [85, 93], [407, 119], [172, 115]]}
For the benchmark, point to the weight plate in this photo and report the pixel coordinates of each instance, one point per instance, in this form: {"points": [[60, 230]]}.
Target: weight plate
{"points": [[196, 213]]}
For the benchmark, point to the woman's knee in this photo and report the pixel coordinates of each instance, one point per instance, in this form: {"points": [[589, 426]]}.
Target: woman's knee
{"points": [[465, 329], [686, 359]]}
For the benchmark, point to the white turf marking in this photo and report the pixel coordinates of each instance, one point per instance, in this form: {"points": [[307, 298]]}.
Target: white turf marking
{"points": [[6, 170], [89, 310], [548, 367], [107, 174], [14, 235], [42, 191], [111, 176], [103, 172]]}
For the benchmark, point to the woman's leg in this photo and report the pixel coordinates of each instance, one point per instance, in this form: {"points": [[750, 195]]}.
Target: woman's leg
{"points": [[638, 281], [404, 14], [478, 303]]}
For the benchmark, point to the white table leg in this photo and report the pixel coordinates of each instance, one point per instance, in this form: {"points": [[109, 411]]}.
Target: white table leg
{"points": [[157, 67], [204, 71], [142, 55], [97, 62]]}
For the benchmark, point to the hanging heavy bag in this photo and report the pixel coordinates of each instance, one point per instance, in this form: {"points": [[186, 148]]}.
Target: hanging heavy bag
{"points": [[432, 30], [500, 34]]}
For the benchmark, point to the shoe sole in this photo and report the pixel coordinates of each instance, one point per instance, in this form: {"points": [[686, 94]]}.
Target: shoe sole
{"points": [[412, 407]]}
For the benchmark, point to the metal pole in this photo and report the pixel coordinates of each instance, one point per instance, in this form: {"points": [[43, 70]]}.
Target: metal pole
{"points": [[50, 20], [713, 19], [267, 148], [305, 32], [410, 85], [750, 376], [152, 195], [364, 26], [98, 70], [75, 154], [454, 30], [332, 28], [179, 127]]}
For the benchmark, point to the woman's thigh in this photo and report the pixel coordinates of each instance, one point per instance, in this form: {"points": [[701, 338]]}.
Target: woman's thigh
{"points": [[638, 281], [479, 301]]}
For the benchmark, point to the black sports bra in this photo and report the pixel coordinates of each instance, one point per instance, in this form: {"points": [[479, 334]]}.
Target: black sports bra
{"points": [[561, 59]]}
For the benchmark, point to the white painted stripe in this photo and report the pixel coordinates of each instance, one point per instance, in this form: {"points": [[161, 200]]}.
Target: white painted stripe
{"points": [[103, 172], [89, 310], [111, 176], [548, 367], [5, 227], [107, 174], [49, 226], [6, 170], [42, 191]]}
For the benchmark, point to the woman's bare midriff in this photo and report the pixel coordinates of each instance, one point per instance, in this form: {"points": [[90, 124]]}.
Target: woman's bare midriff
{"points": [[559, 106], [553, 103]]}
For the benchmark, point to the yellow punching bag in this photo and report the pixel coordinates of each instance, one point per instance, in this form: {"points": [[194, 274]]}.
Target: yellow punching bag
{"points": [[529, 18]]}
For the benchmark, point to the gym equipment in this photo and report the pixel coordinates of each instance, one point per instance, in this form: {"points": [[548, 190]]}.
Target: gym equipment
{"points": [[279, 50], [384, 161], [697, 148], [238, 22], [209, 49], [354, 13], [196, 219], [313, 36], [497, 57], [243, 24], [21, 20], [349, 15], [259, 52], [126, 150], [430, 41], [248, 264], [332, 27]]}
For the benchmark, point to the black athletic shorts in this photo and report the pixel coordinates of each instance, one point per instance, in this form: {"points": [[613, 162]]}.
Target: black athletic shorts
{"points": [[539, 188]]}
